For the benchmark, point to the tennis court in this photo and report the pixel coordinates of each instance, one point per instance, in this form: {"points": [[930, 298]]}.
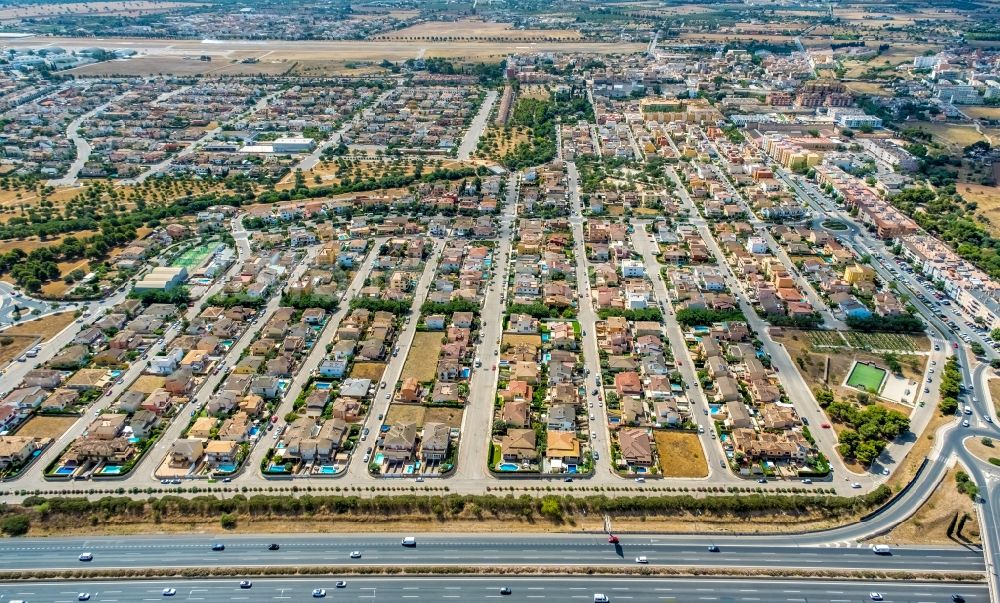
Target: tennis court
{"points": [[866, 376]]}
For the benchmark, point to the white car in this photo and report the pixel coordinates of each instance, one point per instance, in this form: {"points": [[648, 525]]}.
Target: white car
{"points": [[355, 554], [169, 592], [319, 593], [83, 597], [875, 596], [855, 485], [86, 557], [641, 560]]}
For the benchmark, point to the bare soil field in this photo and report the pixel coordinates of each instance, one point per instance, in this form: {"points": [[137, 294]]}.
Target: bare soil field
{"points": [[452, 417], [41, 426], [994, 385], [680, 453], [981, 450], [510, 339], [45, 328], [128, 8], [147, 384], [476, 30], [16, 345], [988, 200], [983, 112], [421, 361], [929, 525], [405, 413], [867, 88], [368, 370]]}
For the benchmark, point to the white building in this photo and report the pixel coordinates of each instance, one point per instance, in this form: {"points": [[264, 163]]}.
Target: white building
{"points": [[633, 269], [293, 144], [756, 245]]}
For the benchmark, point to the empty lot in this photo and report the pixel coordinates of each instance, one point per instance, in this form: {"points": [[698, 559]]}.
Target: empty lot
{"points": [[41, 426], [421, 361], [681, 454]]}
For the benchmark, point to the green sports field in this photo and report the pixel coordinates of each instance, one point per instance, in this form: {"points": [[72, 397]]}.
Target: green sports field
{"points": [[867, 377]]}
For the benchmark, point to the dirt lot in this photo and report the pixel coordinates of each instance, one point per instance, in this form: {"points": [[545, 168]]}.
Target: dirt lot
{"points": [[368, 370], [452, 417], [954, 135], [535, 340], [147, 384], [46, 427], [46, 328], [988, 200], [405, 413], [929, 525], [421, 361], [681, 454], [981, 450], [18, 343], [995, 392], [477, 30]]}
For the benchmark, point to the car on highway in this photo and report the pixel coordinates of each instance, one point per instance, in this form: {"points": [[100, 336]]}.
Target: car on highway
{"points": [[958, 598], [86, 557], [319, 593], [409, 541], [83, 597], [601, 598], [355, 554], [875, 596], [713, 548], [273, 546], [218, 546], [341, 584], [169, 592], [505, 590], [965, 423], [825, 426], [642, 560], [246, 584]]}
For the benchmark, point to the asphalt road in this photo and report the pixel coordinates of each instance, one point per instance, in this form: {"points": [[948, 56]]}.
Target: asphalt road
{"points": [[474, 549], [551, 589]]}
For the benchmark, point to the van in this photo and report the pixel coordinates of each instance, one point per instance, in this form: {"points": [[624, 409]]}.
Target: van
{"points": [[409, 541], [881, 549]]}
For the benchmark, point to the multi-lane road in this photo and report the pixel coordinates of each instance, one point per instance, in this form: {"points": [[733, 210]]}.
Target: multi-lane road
{"points": [[569, 589]]}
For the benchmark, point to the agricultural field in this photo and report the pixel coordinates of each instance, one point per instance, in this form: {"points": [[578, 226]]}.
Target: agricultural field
{"points": [[680, 453], [894, 342], [421, 361]]}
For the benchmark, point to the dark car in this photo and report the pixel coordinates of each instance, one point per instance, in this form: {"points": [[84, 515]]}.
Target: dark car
{"points": [[218, 547], [273, 547], [958, 598], [713, 548], [504, 590]]}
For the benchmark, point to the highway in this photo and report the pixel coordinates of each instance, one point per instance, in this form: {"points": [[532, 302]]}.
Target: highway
{"points": [[466, 550], [552, 589]]}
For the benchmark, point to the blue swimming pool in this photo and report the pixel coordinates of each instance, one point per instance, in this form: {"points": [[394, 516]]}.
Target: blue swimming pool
{"points": [[254, 431], [322, 385], [571, 469], [328, 469], [276, 468], [614, 420], [379, 458], [64, 471], [226, 468], [115, 373], [134, 440], [640, 470], [508, 467], [111, 470]]}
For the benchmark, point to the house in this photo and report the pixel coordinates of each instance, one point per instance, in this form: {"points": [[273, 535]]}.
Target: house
{"points": [[91, 337], [523, 324], [409, 391], [516, 390], [434, 442], [628, 383], [179, 383], [346, 409], [42, 378], [158, 402], [738, 416], [236, 428], [445, 392], [636, 446], [107, 426], [143, 422], [435, 322], [186, 452], [316, 402], [561, 417], [202, 428], [726, 390], [195, 361], [518, 446], [167, 363], [562, 446], [221, 452], [633, 410], [15, 450], [399, 443], [312, 441], [222, 402], [26, 398], [60, 399], [333, 368], [265, 386], [667, 413], [517, 414]]}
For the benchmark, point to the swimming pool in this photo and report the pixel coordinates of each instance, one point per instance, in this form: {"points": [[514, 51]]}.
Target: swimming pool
{"points": [[134, 440], [328, 469], [322, 385], [379, 458], [226, 468], [254, 431], [275, 468], [111, 470], [508, 467], [571, 469], [640, 470], [64, 470], [115, 373]]}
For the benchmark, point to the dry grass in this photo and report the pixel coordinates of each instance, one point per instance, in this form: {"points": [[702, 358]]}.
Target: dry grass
{"points": [[405, 413], [18, 344], [148, 384], [987, 198], [906, 470], [929, 525], [472, 30], [981, 450], [868, 88], [368, 370], [994, 385], [953, 135], [511, 339], [452, 417], [46, 328], [41, 426], [128, 8], [421, 361], [681, 454]]}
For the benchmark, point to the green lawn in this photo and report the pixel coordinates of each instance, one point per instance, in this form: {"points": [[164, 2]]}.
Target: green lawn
{"points": [[867, 377]]}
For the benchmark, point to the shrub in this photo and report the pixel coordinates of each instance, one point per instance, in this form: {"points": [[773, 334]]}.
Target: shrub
{"points": [[15, 525]]}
